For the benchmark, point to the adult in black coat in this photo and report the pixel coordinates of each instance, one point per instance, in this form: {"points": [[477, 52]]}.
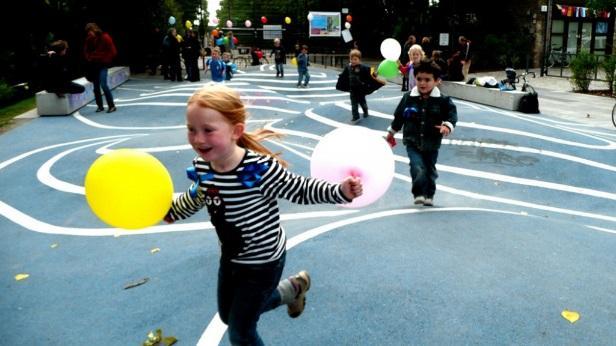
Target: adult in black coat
{"points": [[57, 77]]}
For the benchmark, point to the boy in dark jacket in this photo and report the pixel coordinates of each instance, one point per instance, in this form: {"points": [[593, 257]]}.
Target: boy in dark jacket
{"points": [[356, 78], [425, 116]]}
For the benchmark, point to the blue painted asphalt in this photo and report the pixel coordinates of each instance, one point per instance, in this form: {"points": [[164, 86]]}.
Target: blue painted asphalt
{"points": [[524, 227]]}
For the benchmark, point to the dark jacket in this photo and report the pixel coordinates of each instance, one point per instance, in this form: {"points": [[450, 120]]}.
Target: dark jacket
{"points": [[367, 84], [418, 117], [280, 55]]}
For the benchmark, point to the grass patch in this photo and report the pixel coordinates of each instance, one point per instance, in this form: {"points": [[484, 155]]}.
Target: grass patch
{"points": [[9, 112]]}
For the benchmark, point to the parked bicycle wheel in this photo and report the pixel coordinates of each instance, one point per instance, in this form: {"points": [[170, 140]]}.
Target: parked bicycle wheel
{"points": [[614, 115]]}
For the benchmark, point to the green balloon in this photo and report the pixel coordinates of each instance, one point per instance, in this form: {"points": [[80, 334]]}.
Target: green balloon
{"points": [[388, 69]]}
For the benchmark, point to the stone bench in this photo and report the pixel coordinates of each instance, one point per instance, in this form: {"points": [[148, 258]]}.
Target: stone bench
{"points": [[51, 104], [488, 96]]}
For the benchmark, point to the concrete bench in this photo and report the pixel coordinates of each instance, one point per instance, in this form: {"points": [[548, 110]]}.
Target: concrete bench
{"points": [[487, 96], [51, 104]]}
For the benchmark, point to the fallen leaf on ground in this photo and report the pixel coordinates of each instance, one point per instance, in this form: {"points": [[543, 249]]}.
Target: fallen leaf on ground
{"points": [[157, 339], [136, 283], [570, 316], [20, 277]]}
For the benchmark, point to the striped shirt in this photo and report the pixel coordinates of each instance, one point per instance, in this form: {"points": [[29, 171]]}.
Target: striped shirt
{"points": [[243, 205]]}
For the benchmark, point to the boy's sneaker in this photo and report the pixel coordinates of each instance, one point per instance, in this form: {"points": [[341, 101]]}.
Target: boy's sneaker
{"points": [[306, 86], [301, 283], [299, 86], [366, 115], [355, 120], [420, 200], [429, 202]]}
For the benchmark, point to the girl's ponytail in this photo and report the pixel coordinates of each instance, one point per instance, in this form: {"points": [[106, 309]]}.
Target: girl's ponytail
{"points": [[252, 141]]}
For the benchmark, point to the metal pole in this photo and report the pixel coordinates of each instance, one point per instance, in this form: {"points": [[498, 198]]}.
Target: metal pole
{"points": [[547, 38]]}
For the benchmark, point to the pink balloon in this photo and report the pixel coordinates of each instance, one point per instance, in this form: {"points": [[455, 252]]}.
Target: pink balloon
{"points": [[229, 24], [355, 151], [215, 21], [248, 23]]}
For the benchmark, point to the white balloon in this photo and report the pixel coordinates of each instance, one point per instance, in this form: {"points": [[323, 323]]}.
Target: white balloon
{"points": [[229, 24], [355, 151], [390, 49], [215, 21], [347, 25], [310, 17], [171, 20], [248, 23]]}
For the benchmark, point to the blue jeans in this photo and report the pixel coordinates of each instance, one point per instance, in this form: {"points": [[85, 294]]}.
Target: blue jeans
{"points": [[245, 292], [100, 81], [423, 171], [358, 98], [303, 75], [280, 69]]}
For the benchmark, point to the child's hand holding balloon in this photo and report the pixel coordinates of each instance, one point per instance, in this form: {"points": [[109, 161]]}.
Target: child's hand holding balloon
{"points": [[352, 187]]}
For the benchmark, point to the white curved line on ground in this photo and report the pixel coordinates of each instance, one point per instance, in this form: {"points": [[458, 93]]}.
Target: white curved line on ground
{"points": [[215, 330], [77, 115], [318, 95], [295, 88], [286, 74], [283, 81], [269, 98], [133, 89], [510, 147], [10, 161], [186, 95], [601, 229], [32, 224], [43, 174], [610, 145], [484, 175]]}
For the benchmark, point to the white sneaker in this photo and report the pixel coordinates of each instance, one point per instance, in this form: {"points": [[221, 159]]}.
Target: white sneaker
{"points": [[420, 200], [428, 202]]}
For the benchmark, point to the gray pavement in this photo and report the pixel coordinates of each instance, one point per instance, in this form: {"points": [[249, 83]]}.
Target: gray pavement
{"points": [[523, 228]]}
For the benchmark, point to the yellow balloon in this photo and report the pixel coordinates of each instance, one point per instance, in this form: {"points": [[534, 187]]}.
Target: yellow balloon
{"points": [[287, 20], [129, 189], [294, 61]]}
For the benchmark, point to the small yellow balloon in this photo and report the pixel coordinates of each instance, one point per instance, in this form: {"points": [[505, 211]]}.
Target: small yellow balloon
{"points": [[287, 20], [129, 189], [294, 61]]}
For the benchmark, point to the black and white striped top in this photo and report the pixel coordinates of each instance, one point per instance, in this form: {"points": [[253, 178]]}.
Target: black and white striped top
{"points": [[243, 205]]}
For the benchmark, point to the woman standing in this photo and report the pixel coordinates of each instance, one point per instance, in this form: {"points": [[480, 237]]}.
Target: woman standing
{"points": [[99, 52]]}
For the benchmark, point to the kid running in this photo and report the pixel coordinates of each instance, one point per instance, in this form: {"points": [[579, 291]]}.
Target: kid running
{"points": [[425, 116], [239, 181]]}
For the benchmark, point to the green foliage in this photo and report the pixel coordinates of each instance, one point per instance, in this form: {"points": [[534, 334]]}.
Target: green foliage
{"points": [[601, 4], [6, 92], [582, 68], [609, 66], [8, 113]]}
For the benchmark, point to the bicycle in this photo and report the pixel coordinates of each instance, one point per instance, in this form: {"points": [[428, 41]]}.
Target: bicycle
{"points": [[559, 58], [614, 115], [241, 61], [525, 85]]}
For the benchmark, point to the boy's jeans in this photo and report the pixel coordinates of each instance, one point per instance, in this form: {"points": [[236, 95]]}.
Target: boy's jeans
{"points": [[358, 98], [423, 171], [244, 293], [303, 75]]}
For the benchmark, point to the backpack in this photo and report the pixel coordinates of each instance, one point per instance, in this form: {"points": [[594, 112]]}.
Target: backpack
{"points": [[529, 103]]}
